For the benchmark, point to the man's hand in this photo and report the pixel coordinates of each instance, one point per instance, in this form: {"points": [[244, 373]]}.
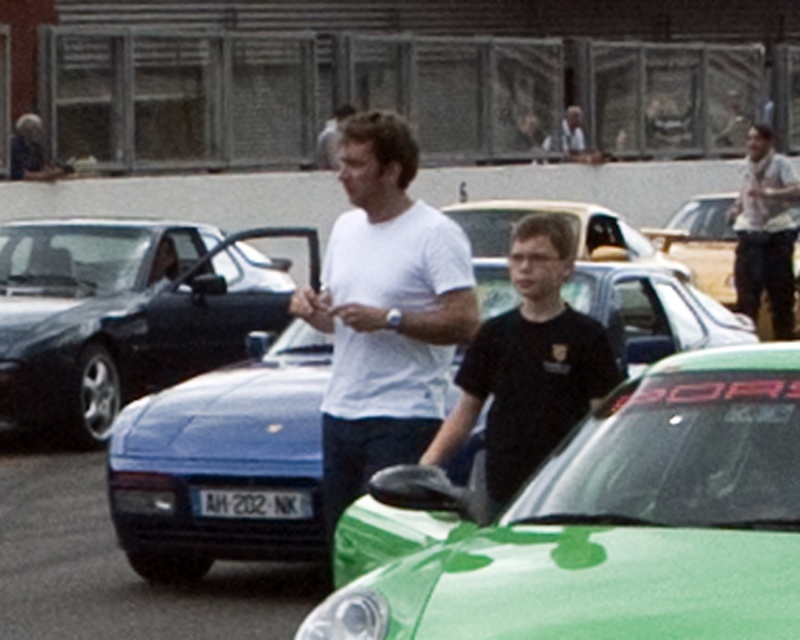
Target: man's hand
{"points": [[313, 307], [361, 318]]}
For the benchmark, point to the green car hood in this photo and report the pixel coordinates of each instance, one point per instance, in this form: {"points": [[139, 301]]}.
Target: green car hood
{"points": [[570, 582]]}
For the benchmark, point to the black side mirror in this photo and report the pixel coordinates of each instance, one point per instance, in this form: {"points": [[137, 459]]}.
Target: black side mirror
{"points": [[209, 284], [414, 486]]}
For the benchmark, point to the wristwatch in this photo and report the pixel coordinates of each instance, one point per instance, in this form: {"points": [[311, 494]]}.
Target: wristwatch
{"points": [[394, 319]]}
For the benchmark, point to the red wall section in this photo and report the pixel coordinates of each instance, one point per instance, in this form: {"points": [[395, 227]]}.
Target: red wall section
{"points": [[24, 17]]}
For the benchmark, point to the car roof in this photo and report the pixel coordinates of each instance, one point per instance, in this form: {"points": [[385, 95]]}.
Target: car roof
{"points": [[770, 356], [144, 223], [600, 268], [729, 195], [581, 209]]}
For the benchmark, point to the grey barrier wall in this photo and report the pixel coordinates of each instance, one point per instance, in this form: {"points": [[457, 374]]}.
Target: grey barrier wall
{"points": [[645, 192]]}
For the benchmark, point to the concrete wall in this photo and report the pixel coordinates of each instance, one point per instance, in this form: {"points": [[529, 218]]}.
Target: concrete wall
{"points": [[646, 193]]}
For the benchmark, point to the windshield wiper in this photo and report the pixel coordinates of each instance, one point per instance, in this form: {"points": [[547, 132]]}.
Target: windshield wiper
{"points": [[775, 524], [309, 348], [590, 519], [43, 280]]}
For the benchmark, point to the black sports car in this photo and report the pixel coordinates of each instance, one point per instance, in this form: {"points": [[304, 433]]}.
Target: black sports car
{"points": [[94, 313]]}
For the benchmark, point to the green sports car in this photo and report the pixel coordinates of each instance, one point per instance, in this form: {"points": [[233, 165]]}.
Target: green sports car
{"points": [[672, 512]]}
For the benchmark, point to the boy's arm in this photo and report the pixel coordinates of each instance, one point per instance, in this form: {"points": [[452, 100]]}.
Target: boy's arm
{"points": [[455, 430]]}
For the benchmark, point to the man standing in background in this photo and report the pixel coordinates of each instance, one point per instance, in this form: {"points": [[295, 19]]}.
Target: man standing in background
{"points": [[766, 232]]}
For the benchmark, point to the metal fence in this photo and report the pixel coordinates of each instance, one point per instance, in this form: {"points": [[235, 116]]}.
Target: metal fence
{"points": [[787, 95], [134, 100], [681, 100], [5, 98], [472, 99]]}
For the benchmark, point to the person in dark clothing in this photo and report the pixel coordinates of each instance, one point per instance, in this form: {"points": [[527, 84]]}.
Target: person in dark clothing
{"points": [[28, 158], [766, 232], [544, 365]]}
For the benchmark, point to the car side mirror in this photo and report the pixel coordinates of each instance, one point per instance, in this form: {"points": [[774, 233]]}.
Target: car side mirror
{"points": [[209, 284], [415, 486]]}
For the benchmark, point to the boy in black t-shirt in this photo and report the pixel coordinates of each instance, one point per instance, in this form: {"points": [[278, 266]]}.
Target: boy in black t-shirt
{"points": [[544, 364]]}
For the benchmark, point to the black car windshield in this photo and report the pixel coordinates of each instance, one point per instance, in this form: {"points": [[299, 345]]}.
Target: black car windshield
{"points": [[71, 260], [716, 449]]}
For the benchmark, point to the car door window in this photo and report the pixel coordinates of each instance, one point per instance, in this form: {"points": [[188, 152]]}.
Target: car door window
{"points": [[602, 231], [687, 326], [640, 310], [188, 247], [224, 263]]}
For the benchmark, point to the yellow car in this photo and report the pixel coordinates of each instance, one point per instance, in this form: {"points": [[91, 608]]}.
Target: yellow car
{"points": [[602, 233], [698, 235]]}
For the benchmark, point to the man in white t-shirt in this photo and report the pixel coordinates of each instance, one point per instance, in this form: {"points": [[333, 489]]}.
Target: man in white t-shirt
{"points": [[398, 296]]}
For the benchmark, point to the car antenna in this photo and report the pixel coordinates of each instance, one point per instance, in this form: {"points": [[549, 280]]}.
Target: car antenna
{"points": [[462, 192]]}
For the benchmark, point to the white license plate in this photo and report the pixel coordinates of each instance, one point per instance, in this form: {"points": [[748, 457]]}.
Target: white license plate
{"points": [[252, 504]]}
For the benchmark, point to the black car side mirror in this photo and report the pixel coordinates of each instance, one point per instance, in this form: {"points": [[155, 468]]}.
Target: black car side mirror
{"points": [[415, 486], [209, 284]]}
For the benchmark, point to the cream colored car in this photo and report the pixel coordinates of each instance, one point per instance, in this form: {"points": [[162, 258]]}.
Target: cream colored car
{"points": [[698, 234], [602, 233]]}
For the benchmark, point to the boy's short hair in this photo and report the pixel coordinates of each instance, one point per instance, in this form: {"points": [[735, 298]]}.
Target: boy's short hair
{"points": [[391, 137], [556, 227]]}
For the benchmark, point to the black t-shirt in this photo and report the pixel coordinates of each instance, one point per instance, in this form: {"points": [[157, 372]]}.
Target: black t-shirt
{"points": [[542, 377], [26, 155]]}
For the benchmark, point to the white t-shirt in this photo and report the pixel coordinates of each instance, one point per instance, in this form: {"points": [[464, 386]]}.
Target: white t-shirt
{"points": [[778, 173], [406, 263]]}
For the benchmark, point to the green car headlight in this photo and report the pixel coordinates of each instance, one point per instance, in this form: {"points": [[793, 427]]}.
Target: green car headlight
{"points": [[349, 614]]}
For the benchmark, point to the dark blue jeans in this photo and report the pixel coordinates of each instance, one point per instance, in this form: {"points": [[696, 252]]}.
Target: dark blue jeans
{"points": [[764, 261], [353, 450]]}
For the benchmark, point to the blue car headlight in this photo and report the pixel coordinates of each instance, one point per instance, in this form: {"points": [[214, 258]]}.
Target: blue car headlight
{"points": [[349, 614]]}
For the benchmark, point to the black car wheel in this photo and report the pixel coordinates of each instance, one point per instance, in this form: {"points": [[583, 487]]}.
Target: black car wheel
{"points": [[169, 569], [97, 398]]}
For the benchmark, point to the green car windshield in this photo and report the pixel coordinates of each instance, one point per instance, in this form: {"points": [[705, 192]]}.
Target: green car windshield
{"points": [[712, 449]]}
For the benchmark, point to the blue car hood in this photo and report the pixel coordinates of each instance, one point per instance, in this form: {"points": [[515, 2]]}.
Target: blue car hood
{"points": [[257, 413], [553, 582]]}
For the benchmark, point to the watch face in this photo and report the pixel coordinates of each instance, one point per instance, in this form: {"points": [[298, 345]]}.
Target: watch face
{"points": [[394, 318]]}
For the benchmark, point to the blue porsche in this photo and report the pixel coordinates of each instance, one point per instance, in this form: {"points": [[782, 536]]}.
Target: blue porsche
{"points": [[227, 466]]}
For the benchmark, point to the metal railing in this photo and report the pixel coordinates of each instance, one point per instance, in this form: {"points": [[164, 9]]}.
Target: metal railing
{"points": [[132, 100], [673, 100], [5, 99]]}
